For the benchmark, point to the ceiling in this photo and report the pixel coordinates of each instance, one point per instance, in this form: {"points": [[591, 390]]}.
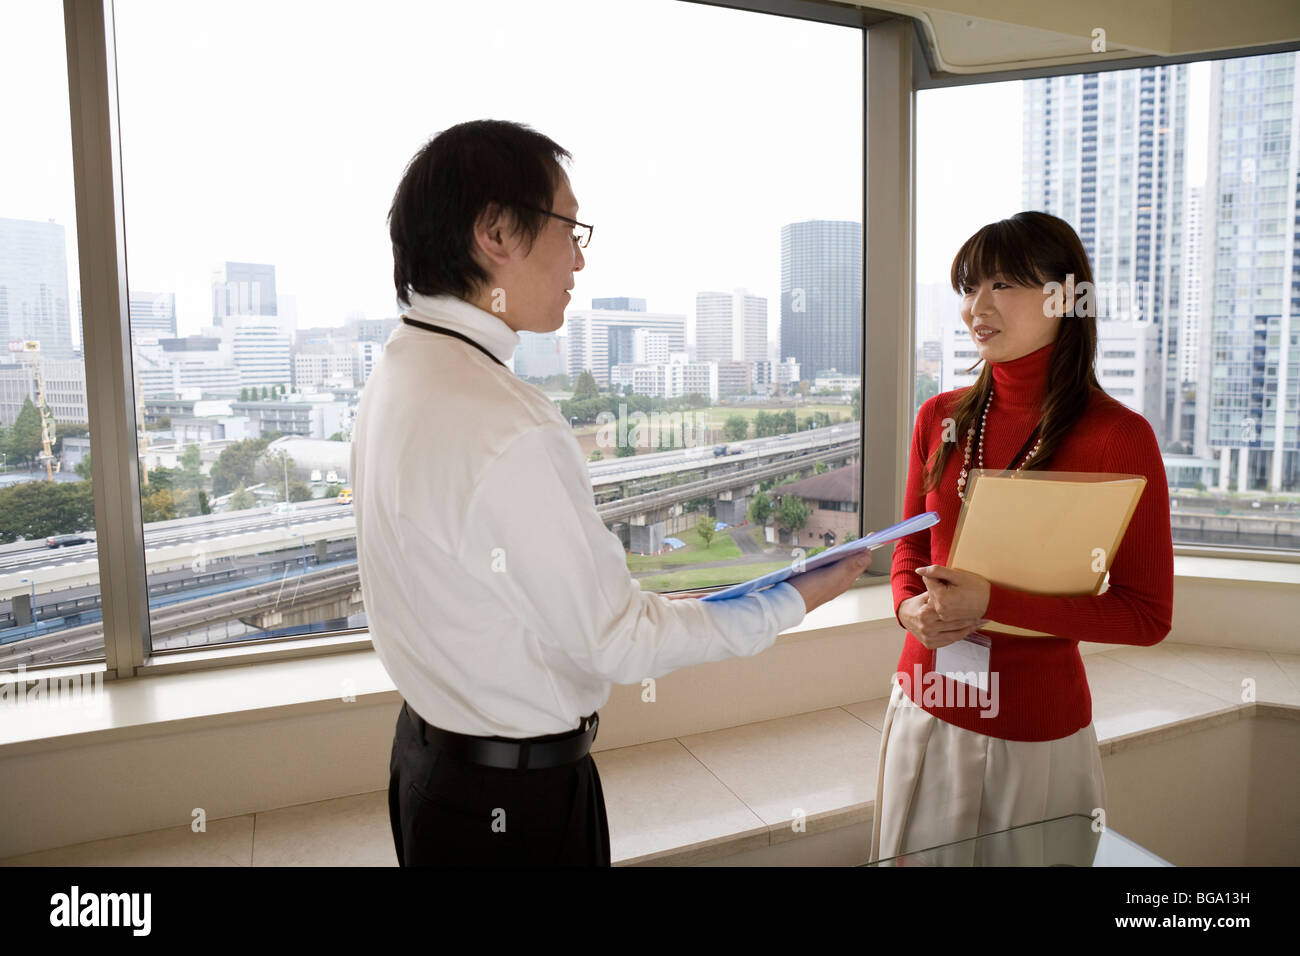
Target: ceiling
{"points": [[982, 36]]}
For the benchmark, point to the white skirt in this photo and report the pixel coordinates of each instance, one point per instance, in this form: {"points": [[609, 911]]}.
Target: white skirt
{"points": [[937, 783]]}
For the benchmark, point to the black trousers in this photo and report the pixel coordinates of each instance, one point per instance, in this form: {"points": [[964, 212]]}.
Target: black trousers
{"points": [[448, 812]]}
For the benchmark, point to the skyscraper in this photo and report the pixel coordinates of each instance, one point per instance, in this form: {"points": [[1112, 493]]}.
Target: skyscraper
{"points": [[620, 303], [1105, 152], [152, 314], [34, 286], [1250, 348], [262, 355], [599, 339], [821, 296], [1192, 303], [243, 288], [730, 326]]}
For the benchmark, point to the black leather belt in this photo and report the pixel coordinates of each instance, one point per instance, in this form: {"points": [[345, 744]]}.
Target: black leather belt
{"points": [[506, 753]]}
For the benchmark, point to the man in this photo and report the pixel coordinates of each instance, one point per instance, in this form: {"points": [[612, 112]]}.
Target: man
{"points": [[497, 600]]}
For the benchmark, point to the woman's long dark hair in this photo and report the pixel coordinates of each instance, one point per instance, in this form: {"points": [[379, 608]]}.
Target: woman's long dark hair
{"points": [[1030, 249]]}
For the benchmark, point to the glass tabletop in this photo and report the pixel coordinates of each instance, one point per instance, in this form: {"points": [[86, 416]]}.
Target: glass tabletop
{"points": [[1063, 841]]}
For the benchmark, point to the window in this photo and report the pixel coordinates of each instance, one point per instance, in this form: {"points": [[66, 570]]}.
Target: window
{"points": [[49, 563], [261, 294], [1232, 459]]}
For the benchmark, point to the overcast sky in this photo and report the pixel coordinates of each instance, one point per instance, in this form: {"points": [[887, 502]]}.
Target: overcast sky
{"points": [[277, 131]]}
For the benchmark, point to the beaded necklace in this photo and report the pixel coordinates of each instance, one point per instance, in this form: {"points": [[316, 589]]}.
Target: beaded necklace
{"points": [[970, 437]]}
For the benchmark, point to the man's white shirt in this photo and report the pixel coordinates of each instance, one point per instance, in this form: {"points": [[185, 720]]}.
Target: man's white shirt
{"points": [[496, 598]]}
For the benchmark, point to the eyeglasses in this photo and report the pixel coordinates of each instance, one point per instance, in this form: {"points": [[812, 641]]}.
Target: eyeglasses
{"points": [[582, 232]]}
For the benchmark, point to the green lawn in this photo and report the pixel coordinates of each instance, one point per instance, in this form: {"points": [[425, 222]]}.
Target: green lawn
{"points": [[722, 549], [687, 580]]}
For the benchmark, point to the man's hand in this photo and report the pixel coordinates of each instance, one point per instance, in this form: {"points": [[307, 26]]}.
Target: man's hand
{"points": [[819, 586]]}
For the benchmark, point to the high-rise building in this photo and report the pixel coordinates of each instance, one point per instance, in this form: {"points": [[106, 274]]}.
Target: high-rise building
{"points": [[1189, 337], [821, 296], [1105, 152], [1250, 341], [242, 288], [619, 304], [730, 326], [153, 314], [34, 286], [599, 339], [64, 388], [262, 355], [176, 365], [537, 355]]}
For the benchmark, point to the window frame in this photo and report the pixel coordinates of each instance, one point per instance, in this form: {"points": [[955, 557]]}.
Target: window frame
{"points": [[895, 67]]}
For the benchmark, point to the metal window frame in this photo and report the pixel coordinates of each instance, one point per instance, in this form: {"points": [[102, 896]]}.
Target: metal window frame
{"points": [[106, 341], [894, 68]]}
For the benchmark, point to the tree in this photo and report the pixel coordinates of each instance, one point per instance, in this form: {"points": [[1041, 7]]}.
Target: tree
{"points": [[189, 475], [275, 467], [332, 491], [625, 450], [792, 514], [338, 436], [159, 506], [161, 478], [299, 491], [585, 387], [736, 428], [236, 464], [705, 529], [82, 468], [205, 507], [927, 386], [64, 430], [265, 394], [820, 468], [242, 499], [37, 509], [595, 456], [243, 394], [760, 508], [25, 435]]}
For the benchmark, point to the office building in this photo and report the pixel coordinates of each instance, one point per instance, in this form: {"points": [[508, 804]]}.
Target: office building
{"points": [[153, 315], [34, 286], [602, 338], [730, 326], [1106, 153], [821, 296], [1250, 354], [242, 288]]}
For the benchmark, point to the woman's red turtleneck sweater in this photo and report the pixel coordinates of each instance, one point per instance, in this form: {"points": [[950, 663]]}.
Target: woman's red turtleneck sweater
{"points": [[1042, 687]]}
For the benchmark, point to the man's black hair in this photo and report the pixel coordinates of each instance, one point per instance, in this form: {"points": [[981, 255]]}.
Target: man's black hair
{"points": [[448, 184]]}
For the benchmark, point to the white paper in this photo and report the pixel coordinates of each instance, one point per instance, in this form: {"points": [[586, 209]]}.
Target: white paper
{"points": [[963, 660]]}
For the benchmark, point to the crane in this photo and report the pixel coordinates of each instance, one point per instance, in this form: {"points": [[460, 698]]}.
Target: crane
{"points": [[48, 429]]}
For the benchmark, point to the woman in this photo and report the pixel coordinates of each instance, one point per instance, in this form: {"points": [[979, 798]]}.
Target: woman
{"points": [[949, 773]]}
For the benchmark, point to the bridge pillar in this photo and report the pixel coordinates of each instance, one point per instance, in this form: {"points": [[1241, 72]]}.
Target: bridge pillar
{"points": [[731, 509], [22, 610], [322, 550], [646, 538]]}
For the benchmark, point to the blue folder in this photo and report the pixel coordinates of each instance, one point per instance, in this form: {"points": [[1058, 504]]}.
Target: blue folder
{"points": [[872, 541]]}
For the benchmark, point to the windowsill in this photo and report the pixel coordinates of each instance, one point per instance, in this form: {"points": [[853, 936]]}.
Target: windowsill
{"points": [[219, 686]]}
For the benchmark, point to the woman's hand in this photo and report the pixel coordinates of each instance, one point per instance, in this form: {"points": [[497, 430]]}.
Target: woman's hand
{"points": [[922, 620], [955, 595]]}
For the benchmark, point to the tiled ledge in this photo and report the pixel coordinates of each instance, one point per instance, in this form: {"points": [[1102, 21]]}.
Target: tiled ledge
{"points": [[706, 796], [703, 797]]}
